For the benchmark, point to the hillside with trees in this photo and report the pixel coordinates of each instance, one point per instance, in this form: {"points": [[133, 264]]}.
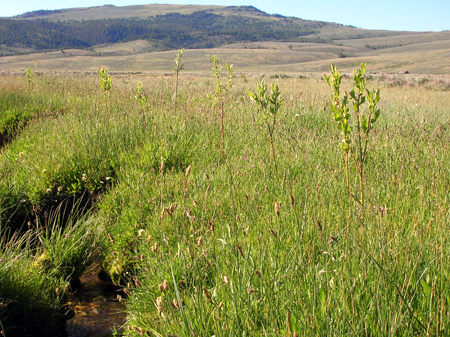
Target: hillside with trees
{"points": [[38, 31]]}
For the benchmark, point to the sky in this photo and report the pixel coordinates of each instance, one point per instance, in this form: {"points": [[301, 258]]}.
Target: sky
{"points": [[410, 15]]}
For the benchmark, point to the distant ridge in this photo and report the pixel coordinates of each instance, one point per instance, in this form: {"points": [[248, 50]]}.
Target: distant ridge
{"points": [[165, 26], [127, 38], [136, 11], [46, 12]]}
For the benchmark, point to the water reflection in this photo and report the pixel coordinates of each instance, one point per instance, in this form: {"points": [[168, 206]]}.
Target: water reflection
{"points": [[96, 307]]}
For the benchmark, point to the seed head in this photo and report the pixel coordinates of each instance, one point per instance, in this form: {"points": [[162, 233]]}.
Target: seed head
{"points": [[137, 282], [319, 226], [166, 285], [188, 172], [288, 319], [239, 248], [333, 239], [110, 237], [273, 232], [277, 209], [159, 302], [207, 295]]}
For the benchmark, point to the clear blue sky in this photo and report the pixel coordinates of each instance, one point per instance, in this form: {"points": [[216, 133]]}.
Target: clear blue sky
{"points": [[413, 15]]}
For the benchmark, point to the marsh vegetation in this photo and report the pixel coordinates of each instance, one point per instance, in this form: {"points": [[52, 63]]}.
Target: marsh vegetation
{"points": [[209, 235]]}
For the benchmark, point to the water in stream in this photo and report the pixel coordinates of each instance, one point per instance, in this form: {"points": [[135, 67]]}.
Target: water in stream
{"points": [[96, 306]]}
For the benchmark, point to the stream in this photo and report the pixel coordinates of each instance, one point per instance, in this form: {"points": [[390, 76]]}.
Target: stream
{"points": [[96, 307]]}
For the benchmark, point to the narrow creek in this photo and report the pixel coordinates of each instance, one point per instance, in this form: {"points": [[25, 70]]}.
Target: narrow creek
{"points": [[97, 307]]}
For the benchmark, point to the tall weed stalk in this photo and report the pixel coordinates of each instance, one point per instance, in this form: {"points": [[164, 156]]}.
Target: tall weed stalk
{"points": [[354, 138], [221, 89]]}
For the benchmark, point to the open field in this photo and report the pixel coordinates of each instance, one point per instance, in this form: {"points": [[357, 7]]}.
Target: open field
{"points": [[207, 236]]}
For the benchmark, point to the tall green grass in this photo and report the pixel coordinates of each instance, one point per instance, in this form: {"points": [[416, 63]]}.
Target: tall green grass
{"points": [[38, 268], [210, 242]]}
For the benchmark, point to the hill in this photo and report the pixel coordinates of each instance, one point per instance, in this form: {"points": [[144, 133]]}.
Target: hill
{"points": [[122, 38], [166, 26]]}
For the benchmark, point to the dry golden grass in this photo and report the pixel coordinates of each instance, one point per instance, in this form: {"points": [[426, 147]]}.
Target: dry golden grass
{"points": [[421, 53], [136, 46], [141, 11], [399, 40], [299, 60]]}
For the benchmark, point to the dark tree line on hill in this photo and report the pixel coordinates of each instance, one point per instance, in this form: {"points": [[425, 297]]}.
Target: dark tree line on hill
{"points": [[197, 30]]}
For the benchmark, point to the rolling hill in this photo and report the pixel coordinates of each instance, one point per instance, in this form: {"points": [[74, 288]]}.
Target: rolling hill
{"points": [[142, 39]]}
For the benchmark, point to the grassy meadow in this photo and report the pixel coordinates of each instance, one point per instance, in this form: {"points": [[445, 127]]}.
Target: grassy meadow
{"points": [[207, 237]]}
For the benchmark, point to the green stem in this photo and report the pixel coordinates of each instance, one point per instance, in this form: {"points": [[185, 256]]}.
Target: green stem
{"points": [[176, 94], [346, 173], [221, 122], [271, 145]]}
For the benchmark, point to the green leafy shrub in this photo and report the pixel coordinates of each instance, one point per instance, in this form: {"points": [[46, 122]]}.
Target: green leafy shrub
{"points": [[105, 84], [31, 73], [268, 106], [354, 138]]}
